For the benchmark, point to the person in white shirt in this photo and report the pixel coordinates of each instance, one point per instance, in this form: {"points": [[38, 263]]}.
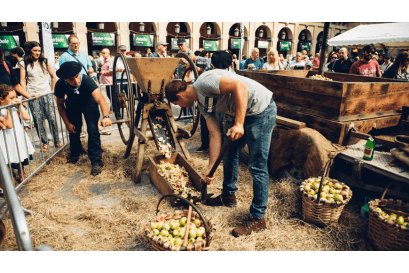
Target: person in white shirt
{"points": [[386, 64], [298, 63]]}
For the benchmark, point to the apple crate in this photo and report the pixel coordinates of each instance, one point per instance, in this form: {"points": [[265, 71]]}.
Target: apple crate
{"points": [[321, 210], [384, 233], [160, 244], [165, 188]]}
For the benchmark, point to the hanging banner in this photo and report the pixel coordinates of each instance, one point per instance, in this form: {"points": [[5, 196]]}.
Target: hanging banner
{"points": [[103, 39], [7, 42], [241, 40], [175, 44], [211, 45], [48, 43], [285, 46], [143, 40], [262, 44], [235, 44], [304, 46], [60, 40]]}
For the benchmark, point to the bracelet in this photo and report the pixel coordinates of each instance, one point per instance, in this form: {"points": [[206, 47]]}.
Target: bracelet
{"points": [[106, 117]]}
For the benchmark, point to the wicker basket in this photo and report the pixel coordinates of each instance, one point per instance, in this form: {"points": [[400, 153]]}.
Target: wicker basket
{"points": [[384, 234], [321, 212], [160, 245]]}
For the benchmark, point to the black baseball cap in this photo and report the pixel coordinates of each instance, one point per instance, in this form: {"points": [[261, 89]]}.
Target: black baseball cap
{"points": [[387, 57]]}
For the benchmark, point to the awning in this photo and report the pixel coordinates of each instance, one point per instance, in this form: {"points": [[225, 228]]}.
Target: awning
{"points": [[391, 35]]}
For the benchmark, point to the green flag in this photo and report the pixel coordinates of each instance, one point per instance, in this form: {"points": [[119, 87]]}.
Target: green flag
{"points": [[210, 45], [235, 43], [285, 46], [60, 41], [103, 39], [143, 40], [7, 42]]}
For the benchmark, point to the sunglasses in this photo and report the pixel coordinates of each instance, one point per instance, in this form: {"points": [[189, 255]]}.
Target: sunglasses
{"points": [[334, 57], [57, 58]]}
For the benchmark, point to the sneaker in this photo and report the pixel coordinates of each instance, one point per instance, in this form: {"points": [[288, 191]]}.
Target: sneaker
{"points": [[96, 169], [202, 149], [221, 200], [249, 225]]}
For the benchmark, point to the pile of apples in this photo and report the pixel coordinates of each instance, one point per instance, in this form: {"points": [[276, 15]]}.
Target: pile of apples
{"points": [[400, 220], [319, 77], [330, 191], [173, 231]]}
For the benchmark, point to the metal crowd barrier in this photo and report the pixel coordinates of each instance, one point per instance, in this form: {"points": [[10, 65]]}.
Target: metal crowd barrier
{"points": [[39, 159]]}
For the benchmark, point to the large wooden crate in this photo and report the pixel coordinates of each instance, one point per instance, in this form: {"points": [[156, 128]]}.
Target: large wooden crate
{"points": [[331, 107]]}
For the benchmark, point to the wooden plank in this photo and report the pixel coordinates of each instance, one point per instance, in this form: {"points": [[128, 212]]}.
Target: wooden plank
{"points": [[290, 122], [367, 90], [351, 78], [369, 116], [365, 126], [307, 111], [377, 139]]}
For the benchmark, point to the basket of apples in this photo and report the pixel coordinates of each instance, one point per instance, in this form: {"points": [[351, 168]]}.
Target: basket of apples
{"points": [[388, 227], [184, 230], [323, 199]]}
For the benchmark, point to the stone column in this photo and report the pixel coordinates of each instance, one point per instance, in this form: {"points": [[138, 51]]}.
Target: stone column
{"points": [[32, 32], [123, 35], [80, 30]]}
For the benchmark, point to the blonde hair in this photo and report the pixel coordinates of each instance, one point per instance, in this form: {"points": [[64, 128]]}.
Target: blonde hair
{"points": [[275, 54]]}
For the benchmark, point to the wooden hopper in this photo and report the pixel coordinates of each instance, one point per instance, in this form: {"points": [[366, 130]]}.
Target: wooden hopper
{"points": [[154, 70]]}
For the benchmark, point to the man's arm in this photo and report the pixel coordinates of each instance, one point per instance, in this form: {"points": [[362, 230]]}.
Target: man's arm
{"points": [[239, 91], [215, 144], [63, 114], [52, 75], [99, 98]]}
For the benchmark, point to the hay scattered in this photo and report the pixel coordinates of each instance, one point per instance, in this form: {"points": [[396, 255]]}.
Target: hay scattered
{"points": [[76, 211]]}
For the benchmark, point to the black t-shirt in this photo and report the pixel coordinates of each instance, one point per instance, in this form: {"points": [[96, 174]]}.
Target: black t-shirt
{"points": [[5, 77], [76, 100], [339, 67]]}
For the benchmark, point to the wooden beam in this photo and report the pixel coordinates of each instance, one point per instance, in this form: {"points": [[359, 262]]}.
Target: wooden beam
{"points": [[290, 122], [378, 140]]}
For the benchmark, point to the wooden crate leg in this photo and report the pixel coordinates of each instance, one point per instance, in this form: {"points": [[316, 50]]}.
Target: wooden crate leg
{"points": [[185, 151], [356, 174]]}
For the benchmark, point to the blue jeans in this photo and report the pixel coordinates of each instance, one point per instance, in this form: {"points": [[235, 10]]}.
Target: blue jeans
{"points": [[91, 115], [257, 135]]}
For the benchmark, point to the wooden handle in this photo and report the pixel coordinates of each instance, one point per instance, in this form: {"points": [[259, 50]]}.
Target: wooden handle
{"points": [[187, 226]]}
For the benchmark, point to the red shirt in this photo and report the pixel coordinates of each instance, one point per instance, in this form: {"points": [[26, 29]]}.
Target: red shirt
{"points": [[316, 62], [370, 69]]}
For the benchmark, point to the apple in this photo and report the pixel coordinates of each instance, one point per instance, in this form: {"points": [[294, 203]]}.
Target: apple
{"points": [[172, 241], [307, 188], [200, 231], [183, 221], [316, 186], [338, 197], [154, 225], [338, 186], [401, 220], [166, 226], [331, 191], [178, 242], [325, 189], [175, 232], [197, 222], [182, 232], [155, 232], [192, 233], [164, 233], [311, 192], [323, 194], [391, 218], [160, 225], [330, 199], [191, 241], [199, 239], [174, 224], [344, 194], [330, 184], [378, 210]]}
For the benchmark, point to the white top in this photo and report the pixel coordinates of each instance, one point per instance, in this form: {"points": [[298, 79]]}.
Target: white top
{"points": [[37, 79], [268, 67], [384, 66], [7, 136], [119, 65]]}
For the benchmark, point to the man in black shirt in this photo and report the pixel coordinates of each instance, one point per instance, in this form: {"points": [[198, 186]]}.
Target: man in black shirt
{"points": [[83, 97], [342, 64]]}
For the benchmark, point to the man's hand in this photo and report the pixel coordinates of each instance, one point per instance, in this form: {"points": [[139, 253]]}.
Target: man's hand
{"points": [[209, 180], [70, 128], [106, 122], [236, 132]]}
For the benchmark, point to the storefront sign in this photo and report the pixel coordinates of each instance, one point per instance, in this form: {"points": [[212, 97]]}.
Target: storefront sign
{"points": [[143, 40], [60, 40], [211, 45], [235, 43], [7, 42], [103, 39], [175, 44], [285, 46], [262, 44]]}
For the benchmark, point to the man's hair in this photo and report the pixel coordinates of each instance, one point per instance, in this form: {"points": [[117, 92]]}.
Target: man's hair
{"points": [[203, 53], [244, 57], [5, 89], [368, 48], [11, 59], [317, 54], [72, 36], [197, 53], [254, 49], [173, 88]]}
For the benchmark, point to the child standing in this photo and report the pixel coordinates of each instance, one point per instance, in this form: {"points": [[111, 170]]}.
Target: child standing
{"points": [[9, 97]]}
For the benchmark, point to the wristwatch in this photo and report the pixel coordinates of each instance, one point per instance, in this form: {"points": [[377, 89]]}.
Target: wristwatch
{"points": [[106, 117]]}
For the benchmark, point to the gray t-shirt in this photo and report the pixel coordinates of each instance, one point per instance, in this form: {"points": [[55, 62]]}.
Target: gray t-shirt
{"points": [[211, 101]]}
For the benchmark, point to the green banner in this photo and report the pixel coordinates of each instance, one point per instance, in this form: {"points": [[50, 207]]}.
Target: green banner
{"points": [[235, 43], [262, 44], [305, 46], [285, 46], [143, 40], [103, 39], [60, 40], [211, 45], [7, 42]]}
